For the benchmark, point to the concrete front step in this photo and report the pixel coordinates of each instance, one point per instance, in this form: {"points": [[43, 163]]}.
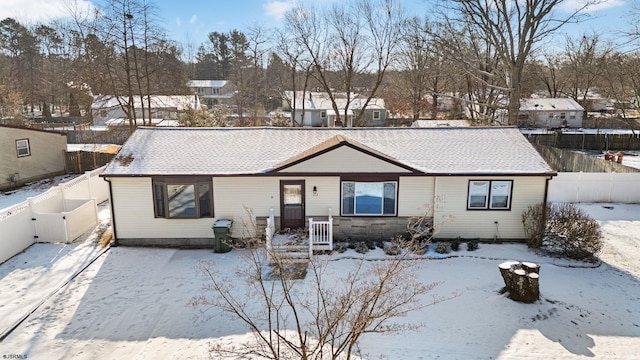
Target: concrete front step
{"points": [[292, 251]]}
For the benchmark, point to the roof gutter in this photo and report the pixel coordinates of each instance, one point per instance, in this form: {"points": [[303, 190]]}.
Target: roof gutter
{"points": [[113, 217]]}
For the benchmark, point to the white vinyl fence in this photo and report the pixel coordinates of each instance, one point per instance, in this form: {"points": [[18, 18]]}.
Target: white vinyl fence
{"points": [[595, 187], [61, 214]]}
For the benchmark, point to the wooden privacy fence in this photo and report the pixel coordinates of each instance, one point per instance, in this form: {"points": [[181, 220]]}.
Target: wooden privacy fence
{"points": [[78, 162]]}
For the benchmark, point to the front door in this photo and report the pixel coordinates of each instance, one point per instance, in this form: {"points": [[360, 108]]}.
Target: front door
{"points": [[292, 204]]}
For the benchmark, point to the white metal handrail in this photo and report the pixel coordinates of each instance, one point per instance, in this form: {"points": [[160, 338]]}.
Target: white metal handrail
{"points": [[270, 230]]}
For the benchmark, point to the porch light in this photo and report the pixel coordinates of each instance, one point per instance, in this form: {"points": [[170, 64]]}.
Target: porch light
{"points": [[315, 191]]}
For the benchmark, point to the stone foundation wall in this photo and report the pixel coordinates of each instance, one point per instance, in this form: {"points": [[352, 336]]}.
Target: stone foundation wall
{"points": [[188, 243], [368, 228]]}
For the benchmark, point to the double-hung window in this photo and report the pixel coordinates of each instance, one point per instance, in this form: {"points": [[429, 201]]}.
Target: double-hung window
{"points": [[489, 194], [376, 198], [183, 198], [22, 147], [376, 115]]}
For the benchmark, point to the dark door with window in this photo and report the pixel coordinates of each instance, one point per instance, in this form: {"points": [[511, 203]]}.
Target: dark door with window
{"points": [[292, 204]]}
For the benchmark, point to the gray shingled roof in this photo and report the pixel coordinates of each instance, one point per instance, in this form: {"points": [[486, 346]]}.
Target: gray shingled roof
{"points": [[230, 151]]}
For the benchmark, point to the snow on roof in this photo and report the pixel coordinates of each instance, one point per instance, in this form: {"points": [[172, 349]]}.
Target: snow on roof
{"points": [[139, 122], [549, 104], [178, 102], [440, 123], [246, 151], [207, 83]]}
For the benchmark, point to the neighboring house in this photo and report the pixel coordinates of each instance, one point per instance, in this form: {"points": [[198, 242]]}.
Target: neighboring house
{"points": [[550, 113], [168, 185], [213, 92], [318, 110], [108, 109], [29, 154]]}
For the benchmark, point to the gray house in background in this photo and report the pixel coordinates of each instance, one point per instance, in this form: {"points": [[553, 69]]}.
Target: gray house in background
{"points": [[213, 92], [319, 112], [550, 113]]}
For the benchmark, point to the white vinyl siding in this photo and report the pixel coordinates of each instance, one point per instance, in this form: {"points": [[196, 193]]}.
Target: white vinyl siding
{"points": [[46, 154], [454, 219], [415, 195], [134, 216], [233, 196]]}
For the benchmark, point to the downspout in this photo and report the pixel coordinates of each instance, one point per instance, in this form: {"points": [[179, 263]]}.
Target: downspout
{"points": [[545, 207], [113, 217], [546, 191]]}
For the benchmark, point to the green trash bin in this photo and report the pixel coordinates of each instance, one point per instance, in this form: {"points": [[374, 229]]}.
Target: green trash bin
{"points": [[222, 236]]}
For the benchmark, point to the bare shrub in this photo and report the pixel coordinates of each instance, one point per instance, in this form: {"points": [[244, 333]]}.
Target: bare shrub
{"points": [[321, 316], [572, 233], [443, 247], [535, 223]]}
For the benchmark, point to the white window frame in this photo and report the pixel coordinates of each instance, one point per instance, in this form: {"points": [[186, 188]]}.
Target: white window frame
{"points": [[23, 148], [491, 190], [354, 206], [323, 114], [376, 115]]}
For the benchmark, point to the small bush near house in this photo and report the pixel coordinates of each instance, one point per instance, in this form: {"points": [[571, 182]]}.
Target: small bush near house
{"points": [[534, 220], [361, 247], [472, 245], [393, 249], [572, 233], [340, 247], [443, 247], [455, 244]]}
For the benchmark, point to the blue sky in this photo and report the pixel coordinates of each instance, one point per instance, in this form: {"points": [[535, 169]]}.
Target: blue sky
{"points": [[192, 20]]}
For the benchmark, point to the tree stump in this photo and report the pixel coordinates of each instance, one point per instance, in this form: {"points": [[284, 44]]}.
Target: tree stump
{"points": [[521, 280]]}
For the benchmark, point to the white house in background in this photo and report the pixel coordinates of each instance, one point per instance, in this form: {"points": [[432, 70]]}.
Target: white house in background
{"points": [[213, 92], [470, 182], [108, 110], [318, 110], [550, 113]]}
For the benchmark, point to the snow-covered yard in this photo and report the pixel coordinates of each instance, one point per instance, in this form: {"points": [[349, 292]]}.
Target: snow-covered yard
{"points": [[132, 303]]}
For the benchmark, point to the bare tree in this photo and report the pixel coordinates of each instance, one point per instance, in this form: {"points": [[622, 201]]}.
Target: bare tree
{"points": [[480, 89], [257, 38], [514, 28], [292, 54], [550, 71], [586, 59], [325, 315], [423, 66], [347, 45], [132, 50]]}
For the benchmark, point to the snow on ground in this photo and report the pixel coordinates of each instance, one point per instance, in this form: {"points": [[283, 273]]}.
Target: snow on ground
{"points": [[132, 303], [9, 198]]}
